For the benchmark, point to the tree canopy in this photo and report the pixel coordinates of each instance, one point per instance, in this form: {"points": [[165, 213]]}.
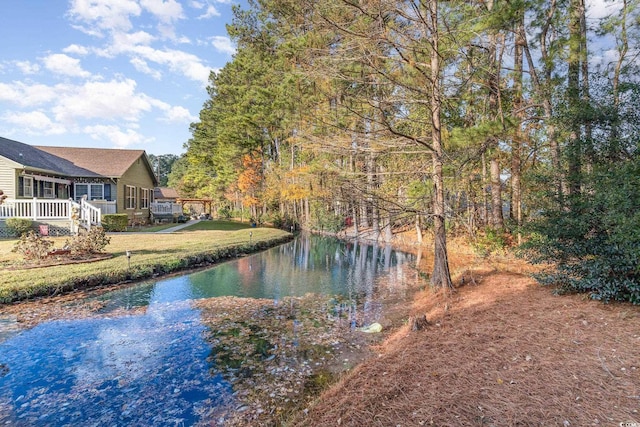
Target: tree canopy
{"points": [[487, 119]]}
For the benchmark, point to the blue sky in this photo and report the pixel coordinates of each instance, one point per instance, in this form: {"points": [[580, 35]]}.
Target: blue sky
{"points": [[108, 73]]}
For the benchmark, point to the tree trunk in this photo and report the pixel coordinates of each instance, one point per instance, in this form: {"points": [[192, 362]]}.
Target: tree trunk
{"points": [[441, 276], [418, 229], [574, 148], [516, 143], [497, 220]]}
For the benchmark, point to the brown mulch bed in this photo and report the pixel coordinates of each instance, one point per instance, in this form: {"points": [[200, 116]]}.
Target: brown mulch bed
{"points": [[502, 351]]}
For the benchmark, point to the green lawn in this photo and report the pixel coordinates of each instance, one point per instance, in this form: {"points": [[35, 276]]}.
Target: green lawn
{"points": [[151, 228], [151, 255], [218, 224]]}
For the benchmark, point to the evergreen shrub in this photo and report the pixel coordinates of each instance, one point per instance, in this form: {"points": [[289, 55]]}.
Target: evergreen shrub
{"points": [[19, 226], [115, 222], [593, 240]]}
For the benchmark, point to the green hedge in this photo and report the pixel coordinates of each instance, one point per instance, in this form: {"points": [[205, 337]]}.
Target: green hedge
{"points": [[115, 222], [19, 226]]}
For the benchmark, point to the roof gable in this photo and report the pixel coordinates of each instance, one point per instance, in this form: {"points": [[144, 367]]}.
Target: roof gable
{"points": [[165, 193], [112, 163]]}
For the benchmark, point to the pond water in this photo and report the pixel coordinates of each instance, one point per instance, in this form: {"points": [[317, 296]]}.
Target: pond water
{"points": [[143, 357]]}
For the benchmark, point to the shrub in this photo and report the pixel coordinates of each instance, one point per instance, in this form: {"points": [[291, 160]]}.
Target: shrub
{"points": [[115, 222], [224, 213], [594, 240], [326, 220], [19, 226], [33, 247], [491, 241], [88, 242]]}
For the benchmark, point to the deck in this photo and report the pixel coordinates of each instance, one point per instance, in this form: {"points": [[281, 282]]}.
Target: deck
{"points": [[84, 213]]}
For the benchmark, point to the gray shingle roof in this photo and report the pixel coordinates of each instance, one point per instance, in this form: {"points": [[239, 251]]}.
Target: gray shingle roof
{"points": [[32, 157], [72, 161]]}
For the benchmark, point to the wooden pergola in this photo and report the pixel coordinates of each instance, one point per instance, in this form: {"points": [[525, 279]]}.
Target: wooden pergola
{"points": [[206, 203]]}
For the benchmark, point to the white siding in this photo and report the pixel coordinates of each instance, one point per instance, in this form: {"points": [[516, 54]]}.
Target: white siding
{"points": [[7, 178]]}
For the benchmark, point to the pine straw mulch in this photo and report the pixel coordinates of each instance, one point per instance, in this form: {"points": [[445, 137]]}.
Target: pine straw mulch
{"points": [[500, 351]]}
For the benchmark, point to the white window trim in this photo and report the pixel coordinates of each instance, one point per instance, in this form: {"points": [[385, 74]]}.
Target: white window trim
{"points": [[25, 187], [51, 190], [101, 185], [145, 198], [88, 193], [130, 197]]}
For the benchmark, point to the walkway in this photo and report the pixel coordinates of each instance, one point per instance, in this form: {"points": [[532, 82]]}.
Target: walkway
{"points": [[179, 226]]}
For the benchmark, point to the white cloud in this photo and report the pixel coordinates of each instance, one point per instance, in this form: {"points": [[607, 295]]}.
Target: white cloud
{"points": [[113, 100], [166, 11], [34, 122], [75, 49], [142, 66], [178, 115], [111, 15], [209, 13], [223, 44], [25, 95], [115, 135], [196, 4], [27, 67], [597, 9], [62, 64], [123, 43], [177, 61]]}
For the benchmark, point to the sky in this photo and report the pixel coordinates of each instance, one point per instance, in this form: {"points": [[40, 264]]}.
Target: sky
{"points": [[109, 73]]}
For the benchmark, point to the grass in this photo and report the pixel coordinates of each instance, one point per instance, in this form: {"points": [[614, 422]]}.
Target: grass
{"points": [[218, 224], [151, 255], [151, 229]]}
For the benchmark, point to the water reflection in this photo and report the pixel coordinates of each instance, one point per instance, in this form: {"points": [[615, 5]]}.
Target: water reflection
{"points": [[309, 264], [150, 366]]}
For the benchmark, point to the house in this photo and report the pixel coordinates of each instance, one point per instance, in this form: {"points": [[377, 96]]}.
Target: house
{"points": [[165, 206], [165, 195], [44, 183]]}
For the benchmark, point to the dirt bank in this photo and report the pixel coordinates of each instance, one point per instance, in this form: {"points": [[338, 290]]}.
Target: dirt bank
{"points": [[500, 351]]}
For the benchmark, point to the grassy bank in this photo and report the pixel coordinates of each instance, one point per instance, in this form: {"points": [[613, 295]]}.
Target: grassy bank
{"points": [[151, 255]]}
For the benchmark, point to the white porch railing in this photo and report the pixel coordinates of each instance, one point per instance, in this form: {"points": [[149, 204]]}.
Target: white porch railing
{"points": [[159, 208], [90, 215], [104, 206], [36, 209], [51, 209]]}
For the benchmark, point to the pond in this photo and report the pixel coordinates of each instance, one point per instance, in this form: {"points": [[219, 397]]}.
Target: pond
{"points": [[235, 342]]}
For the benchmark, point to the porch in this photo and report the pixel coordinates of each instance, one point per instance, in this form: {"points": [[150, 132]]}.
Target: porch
{"points": [[82, 214], [165, 211]]}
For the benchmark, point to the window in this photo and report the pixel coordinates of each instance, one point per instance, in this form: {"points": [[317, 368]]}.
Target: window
{"points": [[96, 192], [92, 191], [144, 198], [27, 186], [81, 190], [130, 196], [48, 191]]}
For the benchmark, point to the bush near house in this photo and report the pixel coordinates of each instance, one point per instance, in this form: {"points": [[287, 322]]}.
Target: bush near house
{"points": [[19, 226], [32, 247], [115, 222], [87, 243]]}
